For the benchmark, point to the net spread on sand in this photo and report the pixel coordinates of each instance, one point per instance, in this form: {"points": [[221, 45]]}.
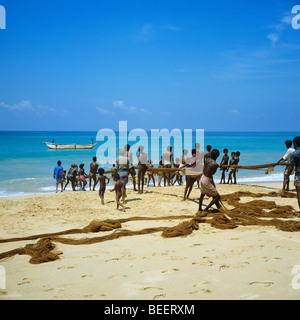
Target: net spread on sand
{"points": [[253, 213]]}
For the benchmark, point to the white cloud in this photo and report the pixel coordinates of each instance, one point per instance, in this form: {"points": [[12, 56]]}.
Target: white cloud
{"points": [[118, 103], [130, 109], [46, 108], [145, 111], [280, 27], [104, 111], [23, 105], [148, 29], [234, 111], [287, 19], [273, 37], [171, 27]]}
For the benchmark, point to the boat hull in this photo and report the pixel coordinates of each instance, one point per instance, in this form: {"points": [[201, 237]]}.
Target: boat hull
{"points": [[55, 146]]}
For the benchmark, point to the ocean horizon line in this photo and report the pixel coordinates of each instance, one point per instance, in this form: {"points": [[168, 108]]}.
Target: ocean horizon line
{"points": [[93, 131]]}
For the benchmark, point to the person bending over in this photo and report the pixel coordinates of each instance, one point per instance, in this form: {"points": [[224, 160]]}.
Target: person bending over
{"points": [[207, 184]]}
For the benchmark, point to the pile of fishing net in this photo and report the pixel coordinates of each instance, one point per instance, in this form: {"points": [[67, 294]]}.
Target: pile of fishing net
{"points": [[234, 214]]}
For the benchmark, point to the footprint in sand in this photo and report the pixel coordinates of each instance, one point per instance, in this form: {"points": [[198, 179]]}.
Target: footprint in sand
{"points": [[25, 281], [177, 258], [111, 259], [116, 276], [151, 288], [261, 283], [200, 291], [159, 296], [195, 245], [165, 271], [223, 266]]}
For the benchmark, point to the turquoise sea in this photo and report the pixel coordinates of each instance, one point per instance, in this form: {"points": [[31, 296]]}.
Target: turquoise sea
{"points": [[26, 165]]}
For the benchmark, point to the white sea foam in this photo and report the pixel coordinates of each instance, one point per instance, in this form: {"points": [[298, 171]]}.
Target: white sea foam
{"points": [[276, 177], [40, 185]]}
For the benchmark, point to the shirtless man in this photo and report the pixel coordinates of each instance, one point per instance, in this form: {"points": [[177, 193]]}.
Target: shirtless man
{"points": [[200, 157], [168, 161], [184, 159], [286, 158], [72, 176], [190, 178], [93, 173], [295, 165], [150, 174], [208, 153], [207, 182], [237, 160], [142, 163], [128, 154], [118, 188]]}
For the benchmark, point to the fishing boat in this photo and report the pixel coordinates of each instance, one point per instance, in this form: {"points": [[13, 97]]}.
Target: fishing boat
{"points": [[74, 146]]}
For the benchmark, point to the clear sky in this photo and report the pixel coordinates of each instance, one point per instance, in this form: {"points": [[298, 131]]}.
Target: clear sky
{"points": [[208, 64]]}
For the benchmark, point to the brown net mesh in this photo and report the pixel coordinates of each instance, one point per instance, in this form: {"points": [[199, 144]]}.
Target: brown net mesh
{"points": [[256, 212]]}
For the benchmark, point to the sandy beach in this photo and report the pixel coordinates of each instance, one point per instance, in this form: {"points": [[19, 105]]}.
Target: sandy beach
{"points": [[248, 262]]}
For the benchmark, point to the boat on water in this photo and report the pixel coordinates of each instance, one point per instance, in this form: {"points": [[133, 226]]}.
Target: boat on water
{"points": [[73, 146]]}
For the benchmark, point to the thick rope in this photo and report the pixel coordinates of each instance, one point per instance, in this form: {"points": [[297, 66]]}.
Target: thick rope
{"points": [[242, 214]]}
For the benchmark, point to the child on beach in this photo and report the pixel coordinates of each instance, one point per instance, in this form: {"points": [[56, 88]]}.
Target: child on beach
{"points": [[237, 161], [118, 188], [82, 176], [231, 163], [102, 179], [224, 162], [63, 176], [58, 175]]}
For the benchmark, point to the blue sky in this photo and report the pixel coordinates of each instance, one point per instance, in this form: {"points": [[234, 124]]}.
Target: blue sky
{"points": [[212, 65]]}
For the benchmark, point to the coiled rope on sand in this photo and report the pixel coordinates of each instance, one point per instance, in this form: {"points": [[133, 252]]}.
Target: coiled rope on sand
{"points": [[255, 213]]}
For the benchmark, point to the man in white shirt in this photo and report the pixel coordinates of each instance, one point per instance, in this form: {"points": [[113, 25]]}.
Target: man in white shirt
{"points": [[286, 158]]}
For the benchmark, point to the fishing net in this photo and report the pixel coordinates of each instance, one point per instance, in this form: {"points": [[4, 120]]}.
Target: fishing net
{"points": [[234, 214]]}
